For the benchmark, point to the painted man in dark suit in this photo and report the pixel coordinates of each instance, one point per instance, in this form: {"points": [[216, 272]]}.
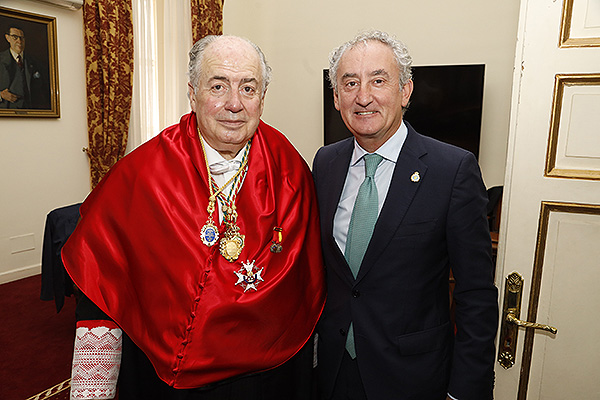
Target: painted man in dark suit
{"points": [[20, 79], [386, 331]]}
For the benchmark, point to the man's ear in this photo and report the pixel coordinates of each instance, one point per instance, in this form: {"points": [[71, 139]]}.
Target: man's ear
{"points": [[192, 96], [336, 100], [407, 90], [262, 102]]}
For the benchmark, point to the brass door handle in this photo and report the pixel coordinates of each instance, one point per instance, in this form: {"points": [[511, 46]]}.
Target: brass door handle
{"points": [[511, 312], [510, 317]]}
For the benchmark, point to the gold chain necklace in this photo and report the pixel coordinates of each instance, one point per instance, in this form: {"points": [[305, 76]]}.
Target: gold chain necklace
{"points": [[232, 242]]}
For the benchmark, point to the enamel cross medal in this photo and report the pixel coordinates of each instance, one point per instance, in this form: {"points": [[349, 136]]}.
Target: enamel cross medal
{"points": [[249, 276]]}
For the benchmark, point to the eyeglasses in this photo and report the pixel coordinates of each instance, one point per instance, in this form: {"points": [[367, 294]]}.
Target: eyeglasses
{"points": [[17, 37]]}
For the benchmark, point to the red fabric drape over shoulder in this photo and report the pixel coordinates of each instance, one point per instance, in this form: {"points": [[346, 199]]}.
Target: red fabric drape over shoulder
{"points": [[109, 78], [207, 18], [138, 255]]}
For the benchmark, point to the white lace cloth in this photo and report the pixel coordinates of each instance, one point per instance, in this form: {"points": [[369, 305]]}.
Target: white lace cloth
{"points": [[96, 360]]}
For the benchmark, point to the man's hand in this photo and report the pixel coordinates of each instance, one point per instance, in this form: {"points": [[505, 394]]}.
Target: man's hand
{"points": [[8, 96]]}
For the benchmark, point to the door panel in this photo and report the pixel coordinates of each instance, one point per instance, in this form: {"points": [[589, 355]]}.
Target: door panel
{"points": [[550, 225], [568, 299]]}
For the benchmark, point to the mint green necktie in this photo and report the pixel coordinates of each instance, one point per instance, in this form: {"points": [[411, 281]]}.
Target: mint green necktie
{"points": [[362, 223]]}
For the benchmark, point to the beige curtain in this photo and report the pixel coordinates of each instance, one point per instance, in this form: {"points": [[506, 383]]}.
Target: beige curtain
{"points": [[109, 78], [207, 18]]}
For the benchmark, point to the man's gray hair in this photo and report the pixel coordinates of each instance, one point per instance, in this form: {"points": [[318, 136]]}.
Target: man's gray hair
{"points": [[400, 51], [197, 53]]}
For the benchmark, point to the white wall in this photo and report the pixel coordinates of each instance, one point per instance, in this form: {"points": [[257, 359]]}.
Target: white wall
{"points": [[42, 166], [297, 37]]}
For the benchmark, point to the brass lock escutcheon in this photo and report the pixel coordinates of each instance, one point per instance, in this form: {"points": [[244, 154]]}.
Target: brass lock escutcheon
{"points": [[511, 322]]}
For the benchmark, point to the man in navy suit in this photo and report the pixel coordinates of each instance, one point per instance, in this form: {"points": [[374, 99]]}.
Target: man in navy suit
{"points": [[386, 330]]}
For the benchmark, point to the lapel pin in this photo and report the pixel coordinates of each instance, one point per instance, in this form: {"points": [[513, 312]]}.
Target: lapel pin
{"points": [[415, 177]]}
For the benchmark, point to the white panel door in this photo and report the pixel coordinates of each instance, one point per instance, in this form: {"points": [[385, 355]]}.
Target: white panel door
{"points": [[550, 221]]}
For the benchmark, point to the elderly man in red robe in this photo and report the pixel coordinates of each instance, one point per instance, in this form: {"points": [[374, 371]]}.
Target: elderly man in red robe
{"points": [[198, 255]]}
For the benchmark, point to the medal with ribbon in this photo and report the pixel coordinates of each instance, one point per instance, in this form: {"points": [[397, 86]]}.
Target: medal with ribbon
{"points": [[232, 242]]}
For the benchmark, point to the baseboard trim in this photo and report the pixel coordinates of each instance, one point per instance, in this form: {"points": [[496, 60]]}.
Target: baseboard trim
{"points": [[20, 273]]}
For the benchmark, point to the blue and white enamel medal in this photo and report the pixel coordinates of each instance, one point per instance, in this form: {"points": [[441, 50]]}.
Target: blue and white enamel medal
{"points": [[209, 234]]}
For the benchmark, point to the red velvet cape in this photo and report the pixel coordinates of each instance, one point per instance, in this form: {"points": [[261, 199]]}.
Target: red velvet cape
{"points": [[138, 255]]}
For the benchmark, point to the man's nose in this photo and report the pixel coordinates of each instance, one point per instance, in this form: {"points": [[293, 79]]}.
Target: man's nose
{"points": [[234, 101], [364, 97]]}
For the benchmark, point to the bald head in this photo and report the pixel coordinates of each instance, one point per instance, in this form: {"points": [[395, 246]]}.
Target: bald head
{"points": [[221, 45]]}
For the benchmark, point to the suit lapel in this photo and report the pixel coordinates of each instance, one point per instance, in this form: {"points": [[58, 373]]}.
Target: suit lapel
{"points": [[410, 170], [28, 74], [337, 170]]}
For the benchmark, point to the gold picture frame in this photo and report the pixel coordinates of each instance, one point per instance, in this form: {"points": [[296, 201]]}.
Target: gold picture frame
{"points": [[28, 88]]}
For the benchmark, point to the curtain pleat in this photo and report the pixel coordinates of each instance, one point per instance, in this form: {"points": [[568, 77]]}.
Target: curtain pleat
{"points": [[109, 78], [207, 18]]}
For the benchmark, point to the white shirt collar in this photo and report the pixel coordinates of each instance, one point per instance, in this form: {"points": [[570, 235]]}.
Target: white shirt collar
{"points": [[15, 54], [390, 150], [219, 164]]}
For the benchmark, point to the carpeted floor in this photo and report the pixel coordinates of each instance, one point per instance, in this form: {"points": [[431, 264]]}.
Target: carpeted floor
{"points": [[36, 343]]}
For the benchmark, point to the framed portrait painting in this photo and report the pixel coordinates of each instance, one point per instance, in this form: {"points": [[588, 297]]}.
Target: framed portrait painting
{"points": [[28, 65]]}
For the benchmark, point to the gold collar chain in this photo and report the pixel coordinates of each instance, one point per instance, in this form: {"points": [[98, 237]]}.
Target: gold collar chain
{"points": [[232, 242]]}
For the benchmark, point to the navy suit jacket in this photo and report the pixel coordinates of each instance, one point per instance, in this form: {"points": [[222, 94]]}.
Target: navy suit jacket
{"points": [[399, 303]]}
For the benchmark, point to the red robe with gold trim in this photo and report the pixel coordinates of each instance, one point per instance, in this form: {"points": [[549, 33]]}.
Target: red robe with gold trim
{"points": [[138, 255]]}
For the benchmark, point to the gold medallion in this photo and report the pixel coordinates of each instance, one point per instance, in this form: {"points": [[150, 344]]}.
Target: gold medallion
{"points": [[231, 245]]}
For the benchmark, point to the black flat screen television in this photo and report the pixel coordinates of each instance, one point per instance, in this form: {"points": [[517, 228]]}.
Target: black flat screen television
{"points": [[446, 104]]}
